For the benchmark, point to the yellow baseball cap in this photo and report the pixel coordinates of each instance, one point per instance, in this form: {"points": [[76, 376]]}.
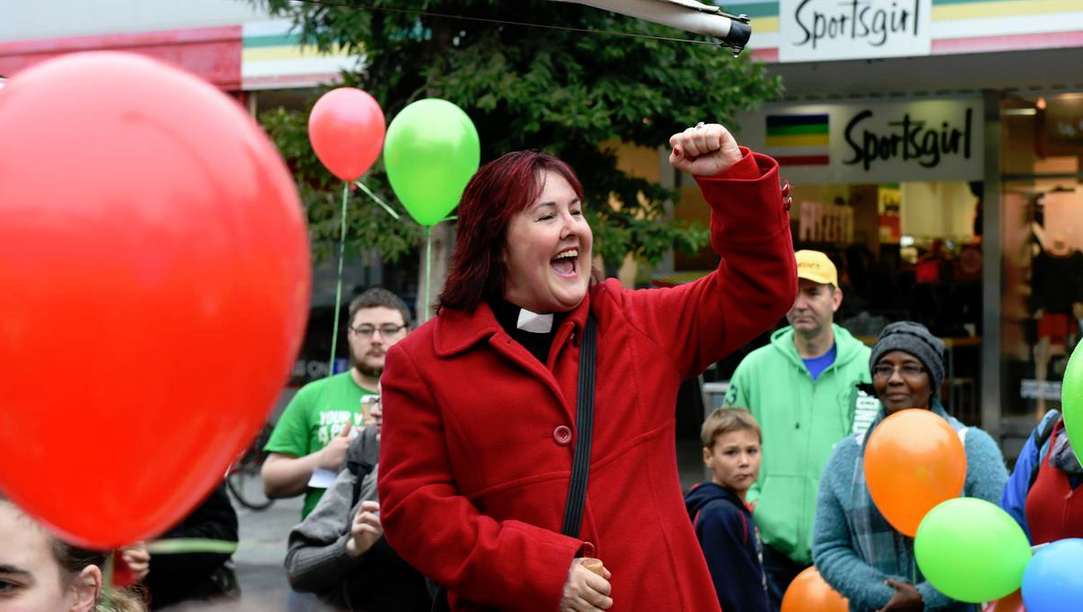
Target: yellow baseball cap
{"points": [[816, 267]]}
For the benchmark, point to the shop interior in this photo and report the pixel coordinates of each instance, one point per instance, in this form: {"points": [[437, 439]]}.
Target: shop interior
{"points": [[1042, 237], [909, 250]]}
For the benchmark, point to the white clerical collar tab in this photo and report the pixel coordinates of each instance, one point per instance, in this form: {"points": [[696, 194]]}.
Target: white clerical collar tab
{"points": [[534, 322]]}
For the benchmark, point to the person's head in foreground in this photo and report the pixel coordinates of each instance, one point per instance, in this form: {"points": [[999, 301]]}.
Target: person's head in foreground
{"points": [[40, 573], [907, 366]]}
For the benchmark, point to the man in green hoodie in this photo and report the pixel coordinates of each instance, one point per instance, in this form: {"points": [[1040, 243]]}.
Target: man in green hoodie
{"points": [[802, 390]]}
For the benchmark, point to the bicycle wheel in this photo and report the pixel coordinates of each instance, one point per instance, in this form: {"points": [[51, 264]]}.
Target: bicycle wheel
{"points": [[247, 487]]}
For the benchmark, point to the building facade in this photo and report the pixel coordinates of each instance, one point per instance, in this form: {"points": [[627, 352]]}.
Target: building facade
{"points": [[934, 148]]}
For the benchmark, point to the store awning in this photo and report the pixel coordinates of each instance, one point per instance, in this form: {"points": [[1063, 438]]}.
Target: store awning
{"points": [[687, 15], [213, 54]]}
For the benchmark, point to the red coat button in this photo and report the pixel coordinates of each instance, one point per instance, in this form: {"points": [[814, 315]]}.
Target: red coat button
{"points": [[787, 200], [562, 435]]}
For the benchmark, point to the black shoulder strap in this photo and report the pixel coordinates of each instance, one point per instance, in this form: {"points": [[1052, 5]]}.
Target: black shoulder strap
{"points": [[584, 424], [1041, 436]]}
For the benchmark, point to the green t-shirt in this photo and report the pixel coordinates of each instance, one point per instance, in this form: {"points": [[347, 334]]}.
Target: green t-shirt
{"points": [[318, 412]]}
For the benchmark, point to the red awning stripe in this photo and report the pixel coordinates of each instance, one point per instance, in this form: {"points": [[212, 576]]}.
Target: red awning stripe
{"points": [[211, 53]]}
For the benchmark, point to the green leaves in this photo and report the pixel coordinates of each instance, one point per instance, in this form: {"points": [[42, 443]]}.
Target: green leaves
{"points": [[534, 87], [368, 226]]}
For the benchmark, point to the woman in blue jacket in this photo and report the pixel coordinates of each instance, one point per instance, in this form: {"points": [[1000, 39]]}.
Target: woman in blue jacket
{"points": [[855, 549]]}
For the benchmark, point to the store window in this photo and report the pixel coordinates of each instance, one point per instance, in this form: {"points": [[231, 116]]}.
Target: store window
{"points": [[908, 250], [1042, 237], [892, 191]]}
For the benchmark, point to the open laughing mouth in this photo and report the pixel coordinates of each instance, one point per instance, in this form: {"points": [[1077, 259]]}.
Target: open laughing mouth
{"points": [[566, 263]]}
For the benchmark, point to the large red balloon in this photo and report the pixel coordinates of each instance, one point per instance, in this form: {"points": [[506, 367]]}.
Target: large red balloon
{"points": [[155, 270], [346, 128]]}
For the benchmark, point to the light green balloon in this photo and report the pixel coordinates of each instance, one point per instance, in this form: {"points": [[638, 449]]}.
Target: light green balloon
{"points": [[430, 152], [1071, 401], [971, 550]]}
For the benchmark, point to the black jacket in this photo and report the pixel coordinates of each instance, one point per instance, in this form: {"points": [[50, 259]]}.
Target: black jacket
{"points": [[731, 544]]}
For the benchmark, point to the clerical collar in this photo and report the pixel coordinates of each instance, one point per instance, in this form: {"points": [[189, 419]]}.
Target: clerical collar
{"points": [[534, 331], [533, 322], [516, 320]]}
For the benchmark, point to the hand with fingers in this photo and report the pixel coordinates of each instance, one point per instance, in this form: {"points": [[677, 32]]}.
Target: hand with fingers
{"points": [[704, 150], [587, 587], [365, 530], [137, 557], [332, 455], [906, 598]]}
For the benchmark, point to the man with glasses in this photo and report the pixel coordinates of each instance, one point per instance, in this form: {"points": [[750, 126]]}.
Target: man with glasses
{"points": [[309, 442], [801, 389]]}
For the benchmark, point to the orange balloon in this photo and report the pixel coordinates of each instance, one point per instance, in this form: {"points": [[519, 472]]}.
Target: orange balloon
{"points": [[1009, 603], [913, 461], [809, 593]]}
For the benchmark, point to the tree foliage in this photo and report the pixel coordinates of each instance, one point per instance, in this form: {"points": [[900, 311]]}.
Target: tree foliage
{"points": [[565, 89], [368, 226]]}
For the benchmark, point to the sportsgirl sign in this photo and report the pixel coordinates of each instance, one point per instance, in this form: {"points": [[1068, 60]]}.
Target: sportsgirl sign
{"points": [[851, 29]]}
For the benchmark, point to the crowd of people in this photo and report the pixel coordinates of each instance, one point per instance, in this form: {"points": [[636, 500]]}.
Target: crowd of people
{"points": [[517, 452]]}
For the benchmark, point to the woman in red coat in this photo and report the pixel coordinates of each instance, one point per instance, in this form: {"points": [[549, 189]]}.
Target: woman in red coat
{"points": [[479, 429]]}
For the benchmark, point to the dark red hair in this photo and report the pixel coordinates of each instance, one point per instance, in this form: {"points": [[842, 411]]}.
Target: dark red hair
{"points": [[499, 190]]}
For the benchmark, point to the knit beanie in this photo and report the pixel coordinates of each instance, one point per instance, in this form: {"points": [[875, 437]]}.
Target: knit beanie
{"points": [[915, 339]]}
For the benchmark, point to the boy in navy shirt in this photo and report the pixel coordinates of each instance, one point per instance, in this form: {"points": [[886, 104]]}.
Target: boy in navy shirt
{"points": [[722, 520]]}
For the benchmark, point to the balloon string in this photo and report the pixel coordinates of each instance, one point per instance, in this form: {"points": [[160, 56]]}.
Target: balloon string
{"points": [[390, 211], [191, 545], [338, 285], [107, 582], [428, 273]]}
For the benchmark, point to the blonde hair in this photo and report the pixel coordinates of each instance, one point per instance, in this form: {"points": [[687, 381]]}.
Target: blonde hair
{"points": [[725, 420], [120, 600]]}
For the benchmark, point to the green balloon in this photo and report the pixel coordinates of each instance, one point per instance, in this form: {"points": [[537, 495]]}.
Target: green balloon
{"points": [[430, 152], [1071, 401], [971, 550]]}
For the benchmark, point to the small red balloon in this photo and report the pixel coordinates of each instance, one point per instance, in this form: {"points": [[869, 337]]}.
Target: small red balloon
{"points": [[156, 272], [346, 128]]}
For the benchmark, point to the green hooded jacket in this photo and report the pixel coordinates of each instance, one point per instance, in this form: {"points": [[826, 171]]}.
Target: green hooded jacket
{"points": [[801, 421]]}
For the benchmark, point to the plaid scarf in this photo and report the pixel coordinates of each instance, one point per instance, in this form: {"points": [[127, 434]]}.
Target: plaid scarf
{"points": [[876, 541]]}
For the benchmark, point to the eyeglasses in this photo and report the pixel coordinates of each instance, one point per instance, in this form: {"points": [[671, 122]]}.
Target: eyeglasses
{"points": [[908, 370], [386, 331]]}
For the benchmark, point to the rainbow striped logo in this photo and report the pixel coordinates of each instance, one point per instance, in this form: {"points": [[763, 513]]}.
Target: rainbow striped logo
{"points": [[798, 140]]}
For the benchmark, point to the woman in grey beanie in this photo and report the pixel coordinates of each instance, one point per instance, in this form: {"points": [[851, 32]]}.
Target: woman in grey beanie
{"points": [[854, 548]]}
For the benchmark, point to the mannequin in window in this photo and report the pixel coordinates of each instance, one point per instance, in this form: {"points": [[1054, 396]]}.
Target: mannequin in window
{"points": [[1056, 301], [978, 189]]}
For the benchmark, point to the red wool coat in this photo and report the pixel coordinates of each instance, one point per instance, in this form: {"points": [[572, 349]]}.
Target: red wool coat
{"points": [[477, 441]]}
